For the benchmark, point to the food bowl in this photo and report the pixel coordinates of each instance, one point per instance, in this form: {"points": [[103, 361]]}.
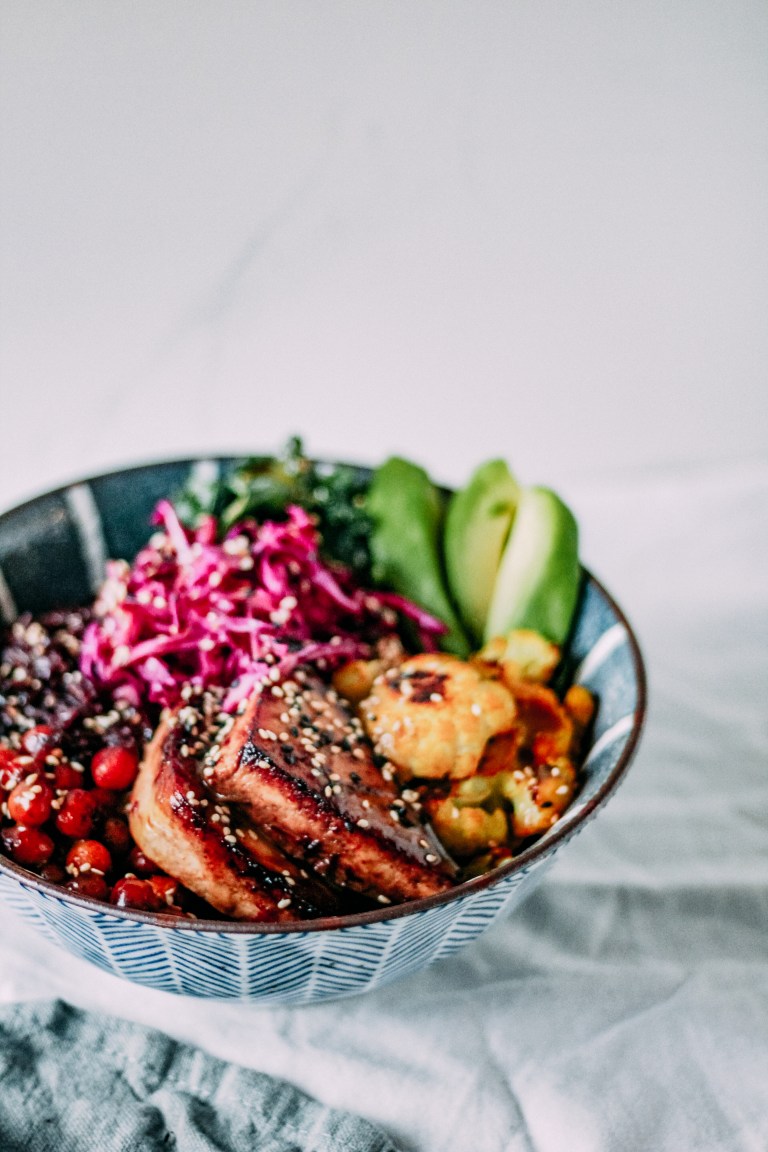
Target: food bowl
{"points": [[52, 553]]}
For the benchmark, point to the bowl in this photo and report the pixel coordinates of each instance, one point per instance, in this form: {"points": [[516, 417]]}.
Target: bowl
{"points": [[52, 552]]}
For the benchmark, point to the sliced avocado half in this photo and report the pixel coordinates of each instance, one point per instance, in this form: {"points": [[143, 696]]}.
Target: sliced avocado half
{"points": [[406, 510], [537, 585], [477, 525]]}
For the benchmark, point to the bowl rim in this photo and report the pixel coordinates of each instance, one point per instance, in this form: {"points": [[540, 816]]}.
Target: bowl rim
{"points": [[535, 854]]}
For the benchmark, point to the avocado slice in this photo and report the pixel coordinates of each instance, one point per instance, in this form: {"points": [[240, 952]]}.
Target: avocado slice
{"points": [[538, 581], [406, 512], [477, 525]]}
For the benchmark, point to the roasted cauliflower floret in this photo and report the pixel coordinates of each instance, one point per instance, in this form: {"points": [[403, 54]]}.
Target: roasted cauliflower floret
{"points": [[433, 716], [354, 680], [521, 655], [465, 831]]}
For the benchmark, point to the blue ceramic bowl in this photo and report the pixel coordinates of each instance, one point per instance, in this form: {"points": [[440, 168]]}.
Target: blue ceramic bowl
{"points": [[52, 551]]}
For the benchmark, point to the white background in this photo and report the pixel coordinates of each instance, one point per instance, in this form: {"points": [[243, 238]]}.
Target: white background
{"points": [[533, 228]]}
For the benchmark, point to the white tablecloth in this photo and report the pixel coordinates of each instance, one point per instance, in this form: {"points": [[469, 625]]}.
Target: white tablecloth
{"points": [[626, 1004], [456, 230]]}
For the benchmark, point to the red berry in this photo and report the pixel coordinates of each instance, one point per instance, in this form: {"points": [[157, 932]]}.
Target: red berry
{"points": [[38, 742], [116, 835], [166, 888], [77, 814], [138, 862], [89, 856], [115, 768], [89, 884], [133, 893], [27, 845], [65, 776], [11, 772], [54, 873], [104, 800], [30, 803]]}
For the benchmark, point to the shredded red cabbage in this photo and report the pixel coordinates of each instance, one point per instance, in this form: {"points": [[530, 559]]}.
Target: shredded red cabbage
{"points": [[232, 614]]}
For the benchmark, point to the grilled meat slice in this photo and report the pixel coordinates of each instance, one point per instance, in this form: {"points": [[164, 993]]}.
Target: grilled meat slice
{"points": [[213, 851], [301, 763]]}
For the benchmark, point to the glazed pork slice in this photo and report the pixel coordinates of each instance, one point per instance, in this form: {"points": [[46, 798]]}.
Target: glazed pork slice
{"points": [[213, 851], [300, 762]]}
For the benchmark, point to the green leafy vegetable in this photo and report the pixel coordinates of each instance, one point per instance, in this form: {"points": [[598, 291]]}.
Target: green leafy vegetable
{"points": [[262, 487]]}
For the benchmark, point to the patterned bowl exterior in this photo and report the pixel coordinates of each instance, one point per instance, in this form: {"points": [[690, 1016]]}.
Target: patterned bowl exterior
{"points": [[52, 552]]}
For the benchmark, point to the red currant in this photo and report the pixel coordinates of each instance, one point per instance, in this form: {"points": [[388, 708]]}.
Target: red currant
{"points": [[11, 772], [116, 835], [133, 893], [27, 845], [165, 887], [38, 742], [138, 862], [115, 768], [65, 776], [30, 803], [104, 800], [54, 873], [89, 884], [89, 856], [77, 814]]}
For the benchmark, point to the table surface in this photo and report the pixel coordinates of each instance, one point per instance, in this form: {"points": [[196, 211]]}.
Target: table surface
{"points": [[454, 231]]}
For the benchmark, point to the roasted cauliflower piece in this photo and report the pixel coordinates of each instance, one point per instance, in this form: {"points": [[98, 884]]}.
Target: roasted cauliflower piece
{"points": [[537, 797], [466, 831], [354, 680], [521, 655], [433, 716]]}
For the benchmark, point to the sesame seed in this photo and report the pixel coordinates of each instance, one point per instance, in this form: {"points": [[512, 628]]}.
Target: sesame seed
{"points": [[435, 697], [431, 858], [363, 823], [284, 903], [562, 790]]}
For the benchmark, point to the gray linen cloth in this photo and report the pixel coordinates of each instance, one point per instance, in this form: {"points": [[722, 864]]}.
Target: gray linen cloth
{"points": [[73, 1080]]}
